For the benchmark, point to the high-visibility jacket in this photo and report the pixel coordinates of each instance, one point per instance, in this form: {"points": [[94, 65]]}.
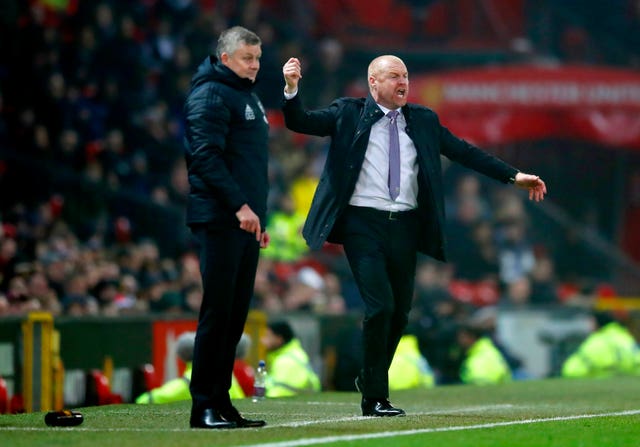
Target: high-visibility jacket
{"points": [[609, 351], [409, 369], [178, 389], [286, 242], [290, 371], [484, 364]]}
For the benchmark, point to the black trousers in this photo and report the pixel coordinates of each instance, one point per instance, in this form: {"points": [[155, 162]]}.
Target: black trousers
{"points": [[381, 249], [228, 263]]}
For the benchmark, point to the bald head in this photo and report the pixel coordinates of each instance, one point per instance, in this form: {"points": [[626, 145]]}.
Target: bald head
{"points": [[388, 81], [380, 64]]}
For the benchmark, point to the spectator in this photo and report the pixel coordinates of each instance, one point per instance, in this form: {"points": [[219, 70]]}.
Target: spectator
{"points": [[178, 389], [192, 298], [19, 300], [306, 291], [39, 289], [610, 350], [482, 363], [5, 307], [517, 292], [289, 367], [77, 301], [486, 319], [436, 315], [285, 228], [267, 290], [409, 368], [543, 281], [515, 253]]}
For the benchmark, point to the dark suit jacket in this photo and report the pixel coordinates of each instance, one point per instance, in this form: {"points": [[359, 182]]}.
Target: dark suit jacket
{"points": [[348, 121]]}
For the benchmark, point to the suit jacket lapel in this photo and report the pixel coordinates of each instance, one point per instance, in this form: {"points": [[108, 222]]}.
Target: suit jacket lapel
{"points": [[370, 114]]}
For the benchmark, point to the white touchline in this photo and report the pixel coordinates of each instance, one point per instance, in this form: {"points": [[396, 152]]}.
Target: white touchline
{"points": [[316, 441], [328, 439], [362, 418], [294, 424]]}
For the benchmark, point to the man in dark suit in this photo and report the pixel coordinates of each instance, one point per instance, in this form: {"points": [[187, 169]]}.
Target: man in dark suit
{"points": [[226, 150], [381, 196]]}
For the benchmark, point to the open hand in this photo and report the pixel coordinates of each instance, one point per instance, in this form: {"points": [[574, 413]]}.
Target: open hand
{"points": [[535, 185]]}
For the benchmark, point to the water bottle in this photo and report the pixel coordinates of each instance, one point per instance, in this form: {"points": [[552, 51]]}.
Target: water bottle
{"points": [[260, 382]]}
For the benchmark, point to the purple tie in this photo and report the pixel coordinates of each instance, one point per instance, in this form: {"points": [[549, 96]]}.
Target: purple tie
{"points": [[394, 156]]}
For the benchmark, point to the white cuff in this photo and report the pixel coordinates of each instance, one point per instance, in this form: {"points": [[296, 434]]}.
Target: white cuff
{"points": [[289, 96]]}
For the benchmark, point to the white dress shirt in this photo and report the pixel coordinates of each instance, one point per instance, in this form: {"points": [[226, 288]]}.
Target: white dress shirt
{"points": [[372, 189]]}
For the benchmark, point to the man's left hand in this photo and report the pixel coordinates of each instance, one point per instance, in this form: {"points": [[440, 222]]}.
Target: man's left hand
{"points": [[535, 185]]}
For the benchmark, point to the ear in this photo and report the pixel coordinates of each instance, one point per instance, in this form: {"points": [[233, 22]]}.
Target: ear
{"points": [[372, 82], [224, 58]]}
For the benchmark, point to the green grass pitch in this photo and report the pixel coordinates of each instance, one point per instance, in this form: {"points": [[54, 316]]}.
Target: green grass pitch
{"points": [[552, 412]]}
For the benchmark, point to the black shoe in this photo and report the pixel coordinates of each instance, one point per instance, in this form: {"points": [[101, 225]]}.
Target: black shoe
{"points": [[232, 415], [379, 407], [211, 419]]}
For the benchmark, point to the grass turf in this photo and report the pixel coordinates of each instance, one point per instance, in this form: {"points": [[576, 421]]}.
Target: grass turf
{"points": [[553, 412]]}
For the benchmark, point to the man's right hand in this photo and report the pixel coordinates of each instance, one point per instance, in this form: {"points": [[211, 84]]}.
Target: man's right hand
{"points": [[249, 221], [292, 71]]}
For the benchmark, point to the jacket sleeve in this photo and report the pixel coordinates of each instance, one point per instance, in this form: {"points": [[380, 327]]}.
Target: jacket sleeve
{"points": [[319, 122], [475, 158], [208, 119]]}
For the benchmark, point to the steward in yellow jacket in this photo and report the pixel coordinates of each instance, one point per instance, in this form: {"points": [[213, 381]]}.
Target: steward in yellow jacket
{"points": [[610, 350], [285, 231], [483, 363], [178, 389], [288, 365], [409, 369]]}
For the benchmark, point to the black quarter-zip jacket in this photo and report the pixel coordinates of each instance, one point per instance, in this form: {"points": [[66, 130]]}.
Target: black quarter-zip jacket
{"points": [[226, 146]]}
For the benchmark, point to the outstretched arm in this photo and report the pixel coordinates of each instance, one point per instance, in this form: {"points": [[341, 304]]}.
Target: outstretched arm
{"points": [[535, 185]]}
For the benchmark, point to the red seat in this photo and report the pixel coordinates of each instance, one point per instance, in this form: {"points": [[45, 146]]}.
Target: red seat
{"points": [[244, 375], [16, 404], [98, 390], [149, 376], [4, 397]]}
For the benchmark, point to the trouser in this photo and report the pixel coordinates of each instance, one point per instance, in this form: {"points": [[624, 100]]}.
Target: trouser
{"points": [[381, 250], [228, 263]]}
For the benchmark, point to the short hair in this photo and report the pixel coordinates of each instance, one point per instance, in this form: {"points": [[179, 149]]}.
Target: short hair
{"points": [[603, 318], [282, 329], [230, 39], [184, 346]]}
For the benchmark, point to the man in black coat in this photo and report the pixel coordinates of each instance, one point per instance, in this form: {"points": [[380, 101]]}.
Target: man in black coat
{"points": [[384, 210], [226, 153]]}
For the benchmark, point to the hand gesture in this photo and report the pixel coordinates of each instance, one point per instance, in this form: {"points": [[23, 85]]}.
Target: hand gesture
{"points": [[535, 185], [292, 71]]}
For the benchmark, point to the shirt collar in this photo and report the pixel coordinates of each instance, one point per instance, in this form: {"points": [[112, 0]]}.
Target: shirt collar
{"points": [[385, 110]]}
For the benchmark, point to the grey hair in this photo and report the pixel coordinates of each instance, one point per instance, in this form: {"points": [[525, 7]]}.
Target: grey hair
{"points": [[230, 39], [184, 346], [243, 346]]}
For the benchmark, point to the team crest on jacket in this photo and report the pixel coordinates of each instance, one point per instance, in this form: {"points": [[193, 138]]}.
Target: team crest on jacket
{"points": [[248, 113]]}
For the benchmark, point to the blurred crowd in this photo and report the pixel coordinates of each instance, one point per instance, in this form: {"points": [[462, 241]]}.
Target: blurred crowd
{"points": [[98, 88], [94, 91]]}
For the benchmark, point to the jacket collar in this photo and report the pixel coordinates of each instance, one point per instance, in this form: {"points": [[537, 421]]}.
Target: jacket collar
{"points": [[211, 69]]}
